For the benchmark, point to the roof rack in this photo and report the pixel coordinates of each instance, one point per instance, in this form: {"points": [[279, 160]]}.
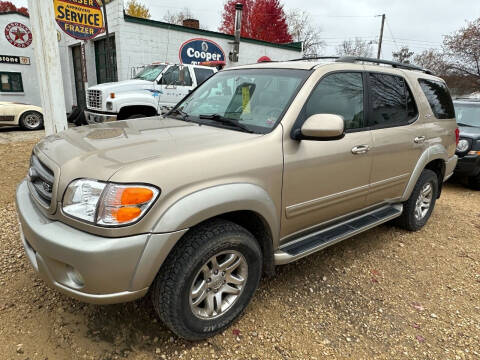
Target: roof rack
{"points": [[395, 64], [315, 58]]}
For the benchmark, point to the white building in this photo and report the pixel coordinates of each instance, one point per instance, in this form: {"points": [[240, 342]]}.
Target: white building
{"points": [[135, 43]]}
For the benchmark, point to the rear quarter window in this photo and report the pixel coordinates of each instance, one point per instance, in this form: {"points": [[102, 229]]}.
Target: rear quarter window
{"points": [[439, 98], [202, 74]]}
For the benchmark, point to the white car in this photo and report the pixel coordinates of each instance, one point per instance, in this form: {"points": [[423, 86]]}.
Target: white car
{"points": [[28, 117]]}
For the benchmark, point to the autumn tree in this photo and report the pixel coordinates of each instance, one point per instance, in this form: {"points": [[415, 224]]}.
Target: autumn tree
{"points": [[404, 55], [302, 28], [432, 60], [137, 9], [462, 49], [227, 25], [262, 20], [357, 47], [6, 6]]}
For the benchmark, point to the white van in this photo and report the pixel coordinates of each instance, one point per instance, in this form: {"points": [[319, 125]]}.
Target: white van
{"points": [[156, 89]]}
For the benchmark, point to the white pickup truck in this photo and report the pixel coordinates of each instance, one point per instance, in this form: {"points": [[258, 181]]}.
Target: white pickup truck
{"points": [[157, 88]]}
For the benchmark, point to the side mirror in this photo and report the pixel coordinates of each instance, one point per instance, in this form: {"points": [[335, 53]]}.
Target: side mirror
{"points": [[322, 127]]}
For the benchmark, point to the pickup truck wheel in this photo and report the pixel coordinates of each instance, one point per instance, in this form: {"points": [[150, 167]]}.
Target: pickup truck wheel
{"points": [[136, 116], [474, 182], [208, 279], [418, 208], [31, 120]]}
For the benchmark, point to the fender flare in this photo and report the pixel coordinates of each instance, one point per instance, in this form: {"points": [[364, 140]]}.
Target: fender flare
{"points": [[434, 152], [217, 200]]}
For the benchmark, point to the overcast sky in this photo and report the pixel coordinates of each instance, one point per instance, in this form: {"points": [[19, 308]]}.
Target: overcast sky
{"points": [[419, 24]]}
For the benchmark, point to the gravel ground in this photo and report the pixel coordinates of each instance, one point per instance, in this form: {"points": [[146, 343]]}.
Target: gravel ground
{"points": [[385, 294]]}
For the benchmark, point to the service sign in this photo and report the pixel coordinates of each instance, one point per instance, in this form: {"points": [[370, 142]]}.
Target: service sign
{"points": [[196, 51], [81, 19]]}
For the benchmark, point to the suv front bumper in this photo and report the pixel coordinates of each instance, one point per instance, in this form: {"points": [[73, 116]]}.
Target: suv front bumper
{"points": [[87, 267], [468, 165]]}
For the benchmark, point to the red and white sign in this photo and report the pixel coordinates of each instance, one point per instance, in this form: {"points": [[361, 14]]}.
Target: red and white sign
{"points": [[18, 35]]}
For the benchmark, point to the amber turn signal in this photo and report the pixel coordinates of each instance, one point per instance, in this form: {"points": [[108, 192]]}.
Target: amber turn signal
{"points": [[136, 195], [125, 214]]}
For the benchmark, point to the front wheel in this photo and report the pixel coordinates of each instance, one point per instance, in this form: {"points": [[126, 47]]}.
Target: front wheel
{"points": [[208, 280], [31, 120], [418, 208]]}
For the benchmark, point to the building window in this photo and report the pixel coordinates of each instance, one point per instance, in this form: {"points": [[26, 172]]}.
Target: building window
{"points": [[11, 82]]}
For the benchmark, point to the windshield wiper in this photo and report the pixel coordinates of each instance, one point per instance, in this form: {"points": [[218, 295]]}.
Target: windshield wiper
{"points": [[183, 114], [222, 119]]}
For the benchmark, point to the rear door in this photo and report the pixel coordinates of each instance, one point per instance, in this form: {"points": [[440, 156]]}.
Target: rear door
{"points": [[399, 136]]}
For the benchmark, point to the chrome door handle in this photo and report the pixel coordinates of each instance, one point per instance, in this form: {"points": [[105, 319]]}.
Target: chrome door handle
{"points": [[419, 139], [360, 149]]}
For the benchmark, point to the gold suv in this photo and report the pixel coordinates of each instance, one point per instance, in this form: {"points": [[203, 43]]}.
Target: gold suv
{"points": [[259, 166]]}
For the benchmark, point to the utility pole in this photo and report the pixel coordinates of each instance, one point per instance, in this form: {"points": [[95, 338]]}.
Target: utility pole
{"points": [[49, 71], [107, 47], [381, 37]]}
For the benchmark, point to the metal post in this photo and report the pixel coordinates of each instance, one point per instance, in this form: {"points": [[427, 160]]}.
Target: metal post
{"points": [[381, 37], [107, 48], [49, 71]]}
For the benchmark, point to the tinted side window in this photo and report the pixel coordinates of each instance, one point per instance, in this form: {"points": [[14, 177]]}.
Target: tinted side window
{"points": [[439, 98], [391, 101], [202, 74], [339, 94]]}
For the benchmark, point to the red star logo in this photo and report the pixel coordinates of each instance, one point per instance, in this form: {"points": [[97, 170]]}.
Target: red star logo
{"points": [[19, 34]]}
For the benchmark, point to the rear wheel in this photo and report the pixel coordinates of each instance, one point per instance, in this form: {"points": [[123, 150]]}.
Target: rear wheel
{"points": [[208, 279], [418, 208], [31, 120]]}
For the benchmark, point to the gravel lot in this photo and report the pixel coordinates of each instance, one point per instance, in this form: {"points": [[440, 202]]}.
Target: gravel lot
{"points": [[384, 294]]}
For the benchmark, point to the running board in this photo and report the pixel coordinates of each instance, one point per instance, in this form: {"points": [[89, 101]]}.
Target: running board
{"points": [[319, 240]]}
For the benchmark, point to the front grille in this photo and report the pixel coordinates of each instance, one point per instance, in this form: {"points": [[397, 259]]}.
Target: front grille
{"points": [[41, 178], [94, 99]]}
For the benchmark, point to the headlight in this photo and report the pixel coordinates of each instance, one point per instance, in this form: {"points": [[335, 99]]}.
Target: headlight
{"points": [[109, 105], [108, 204], [463, 145]]}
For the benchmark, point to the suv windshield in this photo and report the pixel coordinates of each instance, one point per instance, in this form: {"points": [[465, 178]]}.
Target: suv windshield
{"points": [[254, 98], [150, 73], [467, 114]]}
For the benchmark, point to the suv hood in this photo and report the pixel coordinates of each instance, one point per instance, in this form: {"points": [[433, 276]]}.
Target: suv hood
{"points": [[99, 151], [125, 85]]}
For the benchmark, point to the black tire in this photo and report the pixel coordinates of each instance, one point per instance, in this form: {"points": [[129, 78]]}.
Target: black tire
{"points": [[31, 120], [172, 286], [474, 182], [407, 220], [136, 116]]}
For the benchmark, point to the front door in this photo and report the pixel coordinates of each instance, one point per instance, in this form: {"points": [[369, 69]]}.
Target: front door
{"points": [[324, 180], [77, 73], [175, 83]]}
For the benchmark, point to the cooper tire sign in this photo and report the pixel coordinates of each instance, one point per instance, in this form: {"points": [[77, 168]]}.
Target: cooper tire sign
{"points": [[196, 51], [18, 35], [81, 19]]}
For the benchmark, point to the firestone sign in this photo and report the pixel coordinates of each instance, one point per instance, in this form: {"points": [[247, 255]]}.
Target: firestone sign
{"points": [[81, 19], [18, 35], [196, 51]]}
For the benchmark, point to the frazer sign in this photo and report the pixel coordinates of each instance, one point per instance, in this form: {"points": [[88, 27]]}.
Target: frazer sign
{"points": [[196, 51], [81, 19]]}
